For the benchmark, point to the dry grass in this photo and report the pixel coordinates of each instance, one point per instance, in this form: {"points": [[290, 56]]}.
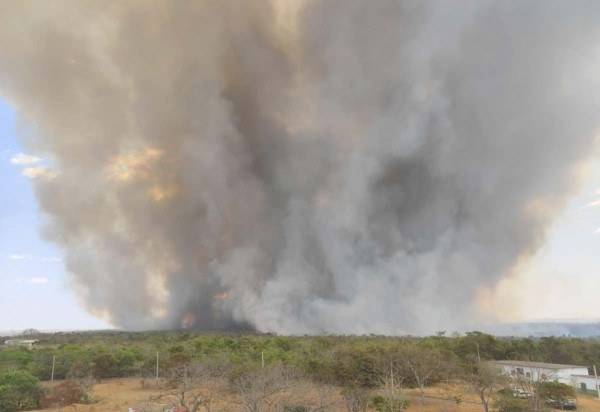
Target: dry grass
{"points": [[114, 395], [588, 403], [119, 394], [470, 403]]}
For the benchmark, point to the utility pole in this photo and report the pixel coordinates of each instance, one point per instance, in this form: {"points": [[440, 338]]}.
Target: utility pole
{"points": [[262, 359], [478, 357], [53, 363], [597, 387], [156, 365]]}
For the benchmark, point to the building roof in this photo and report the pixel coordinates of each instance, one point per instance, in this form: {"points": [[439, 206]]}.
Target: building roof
{"points": [[585, 376], [540, 365]]}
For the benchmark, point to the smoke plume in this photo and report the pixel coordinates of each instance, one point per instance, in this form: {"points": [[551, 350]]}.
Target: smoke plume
{"points": [[343, 166]]}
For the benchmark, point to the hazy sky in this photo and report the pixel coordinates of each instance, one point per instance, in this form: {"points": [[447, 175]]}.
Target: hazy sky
{"points": [[33, 282], [561, 282]]}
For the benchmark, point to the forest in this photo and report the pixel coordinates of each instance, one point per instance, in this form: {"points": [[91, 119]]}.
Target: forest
{"points": [[362, 366]]}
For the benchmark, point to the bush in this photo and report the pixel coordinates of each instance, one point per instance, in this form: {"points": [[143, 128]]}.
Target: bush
{"points": [[296, 408], [15, 358], [103, 366], [556, 390], [65, 393], [352, 367], [355, 398], [240, 371], [18, 391], [506, 402], [177, 360], [382, 404]]}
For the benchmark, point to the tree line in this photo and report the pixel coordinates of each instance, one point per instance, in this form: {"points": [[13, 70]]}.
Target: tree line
{"points": [[358, 364]]}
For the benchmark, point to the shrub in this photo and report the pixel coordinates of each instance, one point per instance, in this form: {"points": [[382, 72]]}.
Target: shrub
{"points": [[296, 408], [15, 358], [19, 390], [506, 402], [177, 360], [65, 393], [556, 390], [355, 398], [382, 404], [103, 366], [352, 367]]}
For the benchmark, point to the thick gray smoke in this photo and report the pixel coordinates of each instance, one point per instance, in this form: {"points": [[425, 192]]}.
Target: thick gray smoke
{"points": [[344, 166]]}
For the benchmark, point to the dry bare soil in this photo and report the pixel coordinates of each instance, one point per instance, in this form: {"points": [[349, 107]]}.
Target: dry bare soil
{"points": [[120, 394]]}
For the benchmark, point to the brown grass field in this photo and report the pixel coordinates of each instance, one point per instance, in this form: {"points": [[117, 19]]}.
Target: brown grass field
{"points": [[120, 394]]}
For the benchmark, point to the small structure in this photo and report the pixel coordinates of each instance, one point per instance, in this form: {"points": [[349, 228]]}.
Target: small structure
{"points": [[585, 384], [541, 371], [20, 342]]}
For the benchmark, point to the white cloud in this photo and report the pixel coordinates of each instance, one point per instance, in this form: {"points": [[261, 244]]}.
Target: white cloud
{"points": [[22, 159], [35, 280], [39, 172], [34, 258], [33, 172]]}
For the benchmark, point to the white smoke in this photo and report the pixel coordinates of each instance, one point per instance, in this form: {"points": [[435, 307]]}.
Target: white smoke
{"points": [[300, 167]]}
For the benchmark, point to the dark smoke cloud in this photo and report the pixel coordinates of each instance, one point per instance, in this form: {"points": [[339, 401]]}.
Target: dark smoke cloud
{"points": [[345, 166]]}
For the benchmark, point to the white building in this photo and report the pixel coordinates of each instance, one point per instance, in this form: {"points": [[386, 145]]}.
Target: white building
{"points": [[20, 342], [542, 371], [585, 383]]}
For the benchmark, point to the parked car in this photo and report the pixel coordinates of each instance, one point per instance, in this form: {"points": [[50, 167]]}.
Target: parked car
{"points": [[564, 404], [517, 393], [521, 394]]}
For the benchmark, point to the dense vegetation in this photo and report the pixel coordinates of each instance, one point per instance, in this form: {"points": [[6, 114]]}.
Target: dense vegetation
{"points": [[345, 361], [18, 390], [120, 354]]}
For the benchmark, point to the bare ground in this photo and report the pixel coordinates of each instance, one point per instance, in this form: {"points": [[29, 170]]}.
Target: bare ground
{"points": [[120, 394]]}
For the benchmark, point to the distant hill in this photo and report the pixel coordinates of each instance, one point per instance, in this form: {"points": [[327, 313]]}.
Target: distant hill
{"points": [[575, 329], [568, 328]]}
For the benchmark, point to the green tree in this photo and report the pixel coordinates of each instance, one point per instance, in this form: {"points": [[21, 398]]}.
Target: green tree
{"points": [[103, 366], [19, 390], [556, 390], [506, 402], [352, 367], [15, 358]]}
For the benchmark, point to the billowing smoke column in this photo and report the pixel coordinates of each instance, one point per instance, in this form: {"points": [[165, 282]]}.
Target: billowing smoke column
{"points": [[343, 166]]}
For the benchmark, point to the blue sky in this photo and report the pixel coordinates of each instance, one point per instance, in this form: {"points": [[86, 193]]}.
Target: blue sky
{"points": [[33, 282], [561, 281]]}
